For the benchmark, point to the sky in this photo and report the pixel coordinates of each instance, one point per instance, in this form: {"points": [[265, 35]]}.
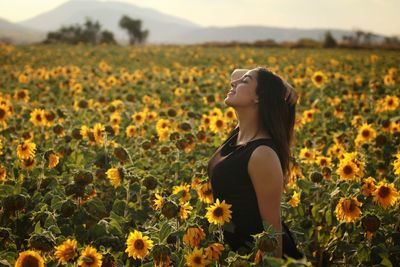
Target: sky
{"points": [[378, 16]]}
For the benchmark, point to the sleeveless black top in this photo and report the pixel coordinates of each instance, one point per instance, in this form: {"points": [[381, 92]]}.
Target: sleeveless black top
{"points": [[230, 181]]}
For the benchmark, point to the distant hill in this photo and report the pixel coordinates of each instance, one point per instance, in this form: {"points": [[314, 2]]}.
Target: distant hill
{"points": [[163, 28], [18, 34]]}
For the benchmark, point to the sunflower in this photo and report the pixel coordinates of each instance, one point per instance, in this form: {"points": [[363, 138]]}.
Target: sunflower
{"points": [[26, 150], [115, 176], [4, 112], [54, 159], [185, 189], [308, 115], [323, 161], [214, 251], [98, 132], [205, 193], [347, 170], [205, 121], [396, 164], [163, 135], [130, 131], [162, 125], [196, 258], [84, 131], [66, 251], [307, 155], [215, 112], [193, 236], [115, 118], [217, 124], [368, 186], [158, 202], [230, 114], [138, 245], [348, 209], [366, 133], [139, 117], [3, 173], [29, 258], [151, 115], [219, 213], [385, 194], [179, 91], [319, 79], [37, 117], [22, 95], [29, 163], [184, 211], [90, 257], [294, 201]]}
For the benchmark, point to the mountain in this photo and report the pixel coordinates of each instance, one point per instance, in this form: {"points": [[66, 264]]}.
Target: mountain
{"points": [[18, 34], [163, 28], [160, 25], [254, 33]]}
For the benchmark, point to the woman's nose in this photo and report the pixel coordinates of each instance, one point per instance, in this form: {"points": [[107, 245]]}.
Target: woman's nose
{"points": [[233, 83]]}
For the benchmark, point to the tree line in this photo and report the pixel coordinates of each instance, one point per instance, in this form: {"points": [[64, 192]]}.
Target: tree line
{"points": [[91, 33]]}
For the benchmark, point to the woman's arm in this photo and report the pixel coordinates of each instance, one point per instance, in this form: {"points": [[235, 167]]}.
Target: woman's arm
{"points": [[266, 174]]}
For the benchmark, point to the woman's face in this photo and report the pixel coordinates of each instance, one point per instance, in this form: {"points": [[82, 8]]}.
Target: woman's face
{"points": [[243, 90]]}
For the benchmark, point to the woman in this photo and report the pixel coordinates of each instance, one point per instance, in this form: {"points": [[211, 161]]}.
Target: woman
{"points": [[250, 169]]}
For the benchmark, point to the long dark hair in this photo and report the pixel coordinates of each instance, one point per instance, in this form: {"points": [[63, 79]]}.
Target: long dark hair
{"points": [[276, 115]]}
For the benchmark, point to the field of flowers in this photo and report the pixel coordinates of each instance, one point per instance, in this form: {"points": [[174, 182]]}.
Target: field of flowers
{"points": [[104, 151]]}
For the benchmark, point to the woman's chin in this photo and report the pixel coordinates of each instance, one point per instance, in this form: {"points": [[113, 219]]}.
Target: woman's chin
{"points": [[228, 101]]}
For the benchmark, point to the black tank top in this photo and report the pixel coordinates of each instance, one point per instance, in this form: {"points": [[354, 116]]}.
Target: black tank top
{"points": [[230, 181]]}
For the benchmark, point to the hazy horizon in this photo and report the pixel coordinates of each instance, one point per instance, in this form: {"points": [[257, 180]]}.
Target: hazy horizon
{"points": [[377, 16]]}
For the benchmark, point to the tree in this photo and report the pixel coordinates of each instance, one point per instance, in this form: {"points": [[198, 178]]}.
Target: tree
{"points": [[329, 41], [90, 32], [133, 27]]}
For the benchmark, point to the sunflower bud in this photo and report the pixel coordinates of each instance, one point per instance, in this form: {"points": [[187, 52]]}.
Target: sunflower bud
{"points": [[161, 255], [266, 243], [370, 223], [76, 133], [41, 242], [316, 177], [83, 178], [170, 210], [150, 183], [121, 154], [68, 208]]}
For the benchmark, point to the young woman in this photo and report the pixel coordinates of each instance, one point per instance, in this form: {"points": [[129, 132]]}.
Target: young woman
{"points": [[251, 167]]}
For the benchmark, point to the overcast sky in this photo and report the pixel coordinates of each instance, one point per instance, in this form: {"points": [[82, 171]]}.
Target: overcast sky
{"points": [[378, 16]]}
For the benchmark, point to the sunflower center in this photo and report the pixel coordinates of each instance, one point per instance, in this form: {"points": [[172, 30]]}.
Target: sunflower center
{"points": [[38, 117], [384, 192], [348, 169], [139, 244], [390, 102], [219, 123], [218, 212], [197, 259], [30, 261], [2, 113], [207, 192], [365, 133], [352, 206], [318, 78]]}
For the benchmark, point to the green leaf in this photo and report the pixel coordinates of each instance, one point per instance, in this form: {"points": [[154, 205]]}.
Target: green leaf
{"points": [[38, 228], [165, 231]]}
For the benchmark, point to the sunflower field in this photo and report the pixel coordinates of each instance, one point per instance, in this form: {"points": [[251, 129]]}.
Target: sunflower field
{"points": [[104, 152]]}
